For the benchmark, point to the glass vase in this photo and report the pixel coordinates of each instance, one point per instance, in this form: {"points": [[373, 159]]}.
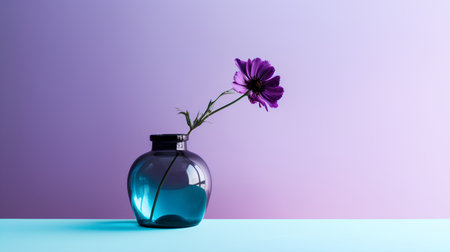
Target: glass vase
{"points": [[169, 187]]}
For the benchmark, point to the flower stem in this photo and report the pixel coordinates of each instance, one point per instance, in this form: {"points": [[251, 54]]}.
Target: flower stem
{"points": [[160, 185], [219, 109], [229, 104]]}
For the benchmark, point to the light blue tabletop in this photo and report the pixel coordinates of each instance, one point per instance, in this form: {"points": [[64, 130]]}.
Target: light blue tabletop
{"points": [[227, 235]]}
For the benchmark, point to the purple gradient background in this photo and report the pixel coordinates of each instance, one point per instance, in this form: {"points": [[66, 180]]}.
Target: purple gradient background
{"points": [[363, 130]]}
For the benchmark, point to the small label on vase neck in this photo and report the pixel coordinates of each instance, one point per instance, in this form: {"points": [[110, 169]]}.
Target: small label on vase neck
{"points": [[180, 146]]}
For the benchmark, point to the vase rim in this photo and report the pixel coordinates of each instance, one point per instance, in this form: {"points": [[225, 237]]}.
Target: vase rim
{"points": [[169, 137]]}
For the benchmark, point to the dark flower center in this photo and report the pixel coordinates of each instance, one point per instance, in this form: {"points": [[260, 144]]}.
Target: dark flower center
{"points": [[255, 85]]}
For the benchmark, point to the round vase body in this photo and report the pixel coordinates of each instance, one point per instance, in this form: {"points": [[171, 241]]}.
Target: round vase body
{"points": [[169, 187]]}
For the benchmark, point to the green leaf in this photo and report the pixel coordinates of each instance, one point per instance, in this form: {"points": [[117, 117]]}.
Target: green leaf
{"points": [[188, 119], [201, 117], [186, 115], [197, 120]]}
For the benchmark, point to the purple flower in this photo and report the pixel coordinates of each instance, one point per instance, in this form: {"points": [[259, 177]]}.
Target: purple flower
{"points": [[255, 77]]}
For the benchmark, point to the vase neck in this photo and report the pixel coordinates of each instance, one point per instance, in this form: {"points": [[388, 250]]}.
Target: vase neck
{"points": [[169, 142]]}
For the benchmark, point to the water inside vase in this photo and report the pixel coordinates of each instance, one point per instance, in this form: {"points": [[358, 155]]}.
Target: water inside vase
{"points": [[182, 199]]}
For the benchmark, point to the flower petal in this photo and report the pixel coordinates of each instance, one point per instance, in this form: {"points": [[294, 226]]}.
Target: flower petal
{"points": [[261, 101], [240, 78], [249, 68], [242, 65], [254, 98], [267, 72], [273, 94], [274, 82], [272, 103], [239, 88], [256, 64]]}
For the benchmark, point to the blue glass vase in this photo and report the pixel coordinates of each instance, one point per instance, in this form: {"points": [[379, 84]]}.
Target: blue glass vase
{"points": [[169, 187]]}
